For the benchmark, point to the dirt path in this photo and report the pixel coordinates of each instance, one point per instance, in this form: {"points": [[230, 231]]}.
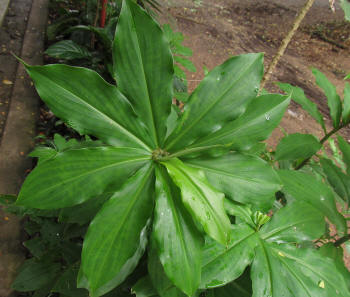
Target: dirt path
{"points": [[216, 30]]}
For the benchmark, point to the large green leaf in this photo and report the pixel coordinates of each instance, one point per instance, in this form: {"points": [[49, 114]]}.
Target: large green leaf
{"points": [[241, 287], [205, 203], [306, 188], [299, 97], [243, 178], [337, 179], [285, 270], [295, 146], [221, 264], [178, 241], [75, 176], [163, 286], [117, 236], [88, 104], [334, 102], [262, 116], [222, 96], [68, 50], [296, 222], [345, 149], [143, 66]]}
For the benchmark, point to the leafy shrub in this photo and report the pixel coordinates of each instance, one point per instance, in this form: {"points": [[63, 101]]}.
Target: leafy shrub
{"points": [[187, 188]]}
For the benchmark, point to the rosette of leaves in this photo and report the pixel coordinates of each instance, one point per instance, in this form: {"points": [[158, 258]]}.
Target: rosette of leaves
{"points": [[169, 181]]}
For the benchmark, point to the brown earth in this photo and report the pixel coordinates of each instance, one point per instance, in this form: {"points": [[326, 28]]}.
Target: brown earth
{"points": [[216, 30]]}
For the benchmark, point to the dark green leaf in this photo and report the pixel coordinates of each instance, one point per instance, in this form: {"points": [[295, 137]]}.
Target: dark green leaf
{"points": [[242, 211], [117, 236], [161, 283], [34, 275], [58, 182], [345, 149], [67, 284], [36, 246], [337, 179], [241, 287], [285, 270], [178, 241], [261, 117], [68, 50], [88, 104], [143, 66], [101, 33], [243, 178], [85, 212], [205, 203], [296, 222], [299, 97], [295, 146], [334, 103], [144, 288], [346, 108], [222, 96], [306, 188], [221, 264]]}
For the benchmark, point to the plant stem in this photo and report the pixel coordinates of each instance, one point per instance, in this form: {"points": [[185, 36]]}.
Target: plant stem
{"points": [[285, 43], [322, 141], [341, 240]]}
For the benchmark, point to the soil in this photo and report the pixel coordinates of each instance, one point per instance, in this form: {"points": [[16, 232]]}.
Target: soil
{"points": [[216, 30]]}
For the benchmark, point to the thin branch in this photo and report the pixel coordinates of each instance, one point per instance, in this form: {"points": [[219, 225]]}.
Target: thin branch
{"points": [[285, 43], [342, 240], [322, 141]]}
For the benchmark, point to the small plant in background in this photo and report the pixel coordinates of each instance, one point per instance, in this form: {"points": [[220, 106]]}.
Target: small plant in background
{"points": [[180, 203]]}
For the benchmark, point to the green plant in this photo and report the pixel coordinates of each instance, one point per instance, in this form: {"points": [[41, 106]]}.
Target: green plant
{"points": [[189, 190]]}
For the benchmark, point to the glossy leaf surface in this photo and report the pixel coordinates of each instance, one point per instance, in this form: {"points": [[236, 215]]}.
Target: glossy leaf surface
{"points": [[88, 104], [295, 146], [285, 270], [222, 96], [178, 241], [143, 67], [306, 188], [221, 264], [243, 178], [262, 116], [337, 179], [117, 236], [296, 222], [205, 203], [333, 99], [163, 286], [75, 176], [298, 95]]}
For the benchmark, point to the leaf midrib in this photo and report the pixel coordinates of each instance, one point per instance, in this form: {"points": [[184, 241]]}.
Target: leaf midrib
{"points": [[92, 172], [194, 122], [149, 105], [125, 216], [108, 119]]}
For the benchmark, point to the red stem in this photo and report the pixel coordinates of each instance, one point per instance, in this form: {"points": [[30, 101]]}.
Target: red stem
{"points": [[103, 13]]}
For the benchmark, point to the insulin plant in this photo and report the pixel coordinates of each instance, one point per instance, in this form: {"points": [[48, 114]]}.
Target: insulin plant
{"points": [[185, 193]]}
